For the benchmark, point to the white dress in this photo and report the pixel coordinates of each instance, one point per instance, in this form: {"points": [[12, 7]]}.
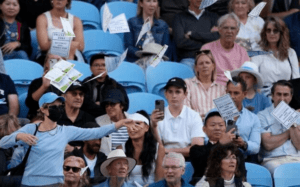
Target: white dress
{"points": [[227, 183]]}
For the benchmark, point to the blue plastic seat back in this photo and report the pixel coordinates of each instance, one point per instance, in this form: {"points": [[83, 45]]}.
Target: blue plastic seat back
{"points": [[23, 108], [88, 14], [82, 68], [131, 76], [22, 72], [97, 41], [287, 175], [258, 176], [34, 45], [143, 101], [189, 171], [158, 76]]}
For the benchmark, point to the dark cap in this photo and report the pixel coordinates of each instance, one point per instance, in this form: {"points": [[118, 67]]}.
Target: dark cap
{"points": [[76, 86], [176, 81], [115, 96]]}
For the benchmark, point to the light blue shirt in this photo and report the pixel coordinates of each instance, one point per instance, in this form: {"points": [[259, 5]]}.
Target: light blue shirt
{"points": [[106, 184], [45, 162], [249, 129], [270, 125], [259, 102]]}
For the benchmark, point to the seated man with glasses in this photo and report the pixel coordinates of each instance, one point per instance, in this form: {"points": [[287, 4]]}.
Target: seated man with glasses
{"points": [[95, 89], [174, 168]]}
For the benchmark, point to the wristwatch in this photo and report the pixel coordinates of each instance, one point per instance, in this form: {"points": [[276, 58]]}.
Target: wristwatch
{"points": [[245, 146]]}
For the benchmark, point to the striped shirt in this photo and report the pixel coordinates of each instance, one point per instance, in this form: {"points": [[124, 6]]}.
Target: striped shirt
{"points": [[119, 137], [200, 99]]}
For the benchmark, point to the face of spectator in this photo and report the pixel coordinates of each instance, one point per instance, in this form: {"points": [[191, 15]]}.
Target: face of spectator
{"points": [[118, 167], [93, 146], [228, 31], [59, 4], [204, 66], [195, 4], [149, 7], [46, 111], [139, 131], [113, 109], [282, 93], [172, 171], [236, 93], [228, 164], [98, 67], [10, 8], [249, 79], [273, 34], [241, 7], [72, 175], [74, 98], [175, 96], [214, 128]]}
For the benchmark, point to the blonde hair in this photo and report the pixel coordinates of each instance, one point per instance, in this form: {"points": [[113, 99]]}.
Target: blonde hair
{"points": [[8, 124], [140, 10], [211, 57], [251, 5]]}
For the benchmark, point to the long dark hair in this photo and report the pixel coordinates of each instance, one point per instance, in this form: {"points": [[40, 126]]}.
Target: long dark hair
{"points": [[147, 156]]}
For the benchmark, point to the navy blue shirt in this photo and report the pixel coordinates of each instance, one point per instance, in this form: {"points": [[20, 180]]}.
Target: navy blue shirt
{"points": [[7, 87]]}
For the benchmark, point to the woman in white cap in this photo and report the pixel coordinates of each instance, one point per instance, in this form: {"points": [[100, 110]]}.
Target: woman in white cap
{"points": [[254, 100], [44, 166], [150, 154]]}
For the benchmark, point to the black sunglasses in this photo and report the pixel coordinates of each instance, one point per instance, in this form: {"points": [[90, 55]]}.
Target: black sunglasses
{"points": [[55, 107], [206, 51], [74, 169]]}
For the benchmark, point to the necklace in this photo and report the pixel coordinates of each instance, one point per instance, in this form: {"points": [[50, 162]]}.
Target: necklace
{"points": [[54, 132]]}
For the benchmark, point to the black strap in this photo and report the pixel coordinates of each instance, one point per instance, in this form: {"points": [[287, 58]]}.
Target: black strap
{"points": [[29, 149], [291, 68]]}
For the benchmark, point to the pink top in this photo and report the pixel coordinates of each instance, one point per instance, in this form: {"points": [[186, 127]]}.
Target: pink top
{"points": [[200, 99], [226, 60]]}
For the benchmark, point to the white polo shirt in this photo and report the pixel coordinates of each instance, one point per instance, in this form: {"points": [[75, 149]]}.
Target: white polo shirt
{"points": [[178, 132]]}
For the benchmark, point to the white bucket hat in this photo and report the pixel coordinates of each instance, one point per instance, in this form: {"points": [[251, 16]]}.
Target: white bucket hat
{"points": [[152, 49], [249, 67], [114, 155]]}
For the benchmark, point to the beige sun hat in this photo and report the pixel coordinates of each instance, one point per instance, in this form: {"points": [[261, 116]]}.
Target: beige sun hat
{"points": [[151, 49], [114, 155]]}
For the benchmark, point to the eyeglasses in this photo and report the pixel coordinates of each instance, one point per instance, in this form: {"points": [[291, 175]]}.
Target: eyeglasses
{"points": [[54, 107], [110, 104], [275, 31], [171, 167], [207, 51], [229, 28], [74, 93], [74, 169]]}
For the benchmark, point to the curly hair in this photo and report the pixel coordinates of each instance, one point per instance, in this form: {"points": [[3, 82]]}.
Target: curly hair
{"points": [[147, 156], [8, 124], [213, 172], [283, 44], [251, 5]]}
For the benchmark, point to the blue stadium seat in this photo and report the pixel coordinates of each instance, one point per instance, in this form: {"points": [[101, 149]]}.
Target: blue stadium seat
{"points": [[157, 77], [287, 175], [82, 68], [34, 45], [258, 176], [143, 101], [23, 108], [96, 41], [189, 171], [22, 72], [88, 14], [131, 76]]}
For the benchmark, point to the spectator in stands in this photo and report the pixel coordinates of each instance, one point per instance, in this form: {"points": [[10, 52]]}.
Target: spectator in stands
{"points": [[115, 106], [9, 103], [38, 87], [280, 9], [50, 142], [247, 122], [282, 63], [116, 168], [92, 157], [293, 24], [142, 146], [2, 41], [159, 32], [17, 36], [250, 28], [254, 100], [279, 144], [215, 129], [202, 89], [222, 169], [174, 168], [50, 22], [178, 127], [147, 55], [96, 89], [72, 172], [192, 29], [228, 54]]}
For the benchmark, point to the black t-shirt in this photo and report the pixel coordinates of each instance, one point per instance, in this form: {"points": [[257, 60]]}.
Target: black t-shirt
{"points": [[7, 87], [280, 5]]}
